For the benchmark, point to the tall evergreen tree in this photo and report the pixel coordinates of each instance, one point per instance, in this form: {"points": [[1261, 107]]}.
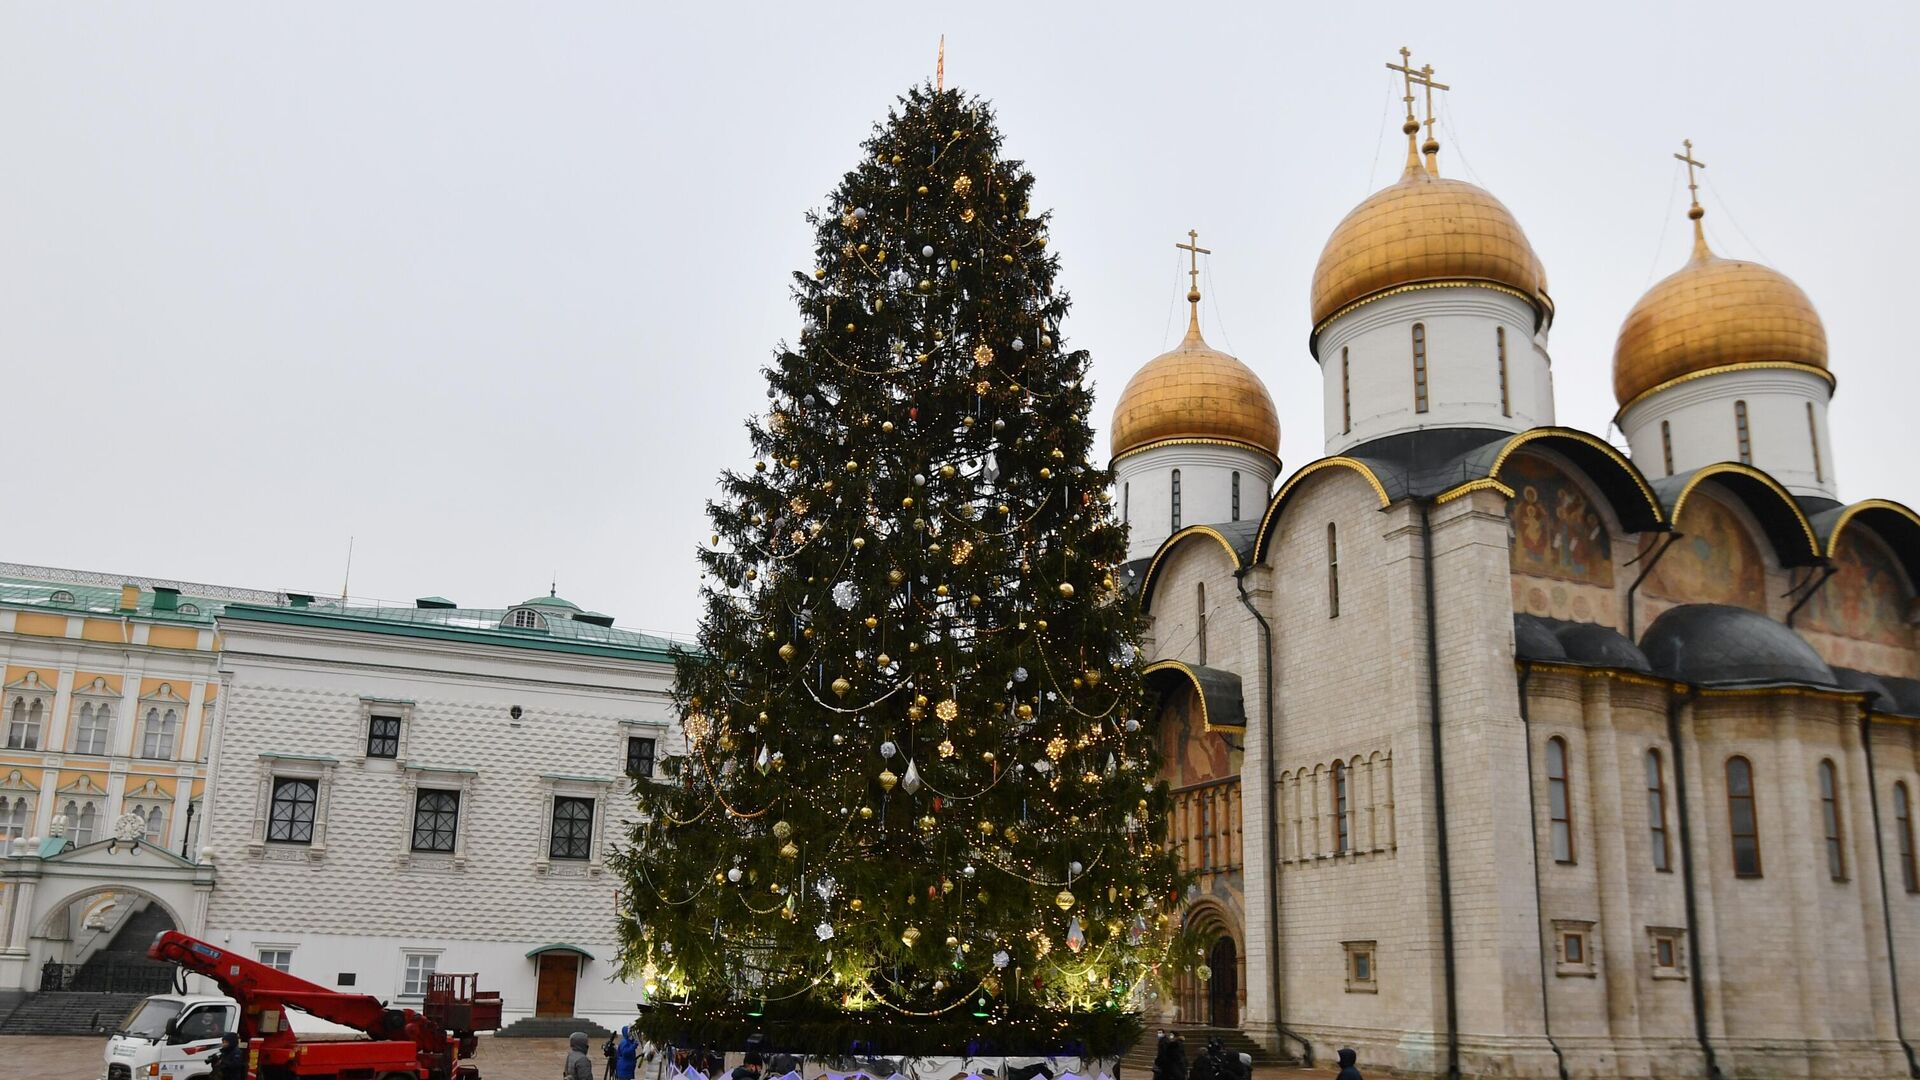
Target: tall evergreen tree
{"points": [[919, 787]]}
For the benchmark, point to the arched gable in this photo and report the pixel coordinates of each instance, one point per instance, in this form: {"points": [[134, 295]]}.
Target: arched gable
{"points": [[1222, 706], [1270, 521], [1235, 540], [1619, 481], [1776, 511], [1894, 522]]}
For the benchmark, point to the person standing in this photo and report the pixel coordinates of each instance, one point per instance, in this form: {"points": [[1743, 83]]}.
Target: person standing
{"points": [[1347, 1071], [230, 1061], [626, 1055], [578, 1065]]}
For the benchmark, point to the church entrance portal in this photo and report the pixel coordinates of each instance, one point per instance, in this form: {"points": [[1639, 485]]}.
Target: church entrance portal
{"points": [[1223, 985]]}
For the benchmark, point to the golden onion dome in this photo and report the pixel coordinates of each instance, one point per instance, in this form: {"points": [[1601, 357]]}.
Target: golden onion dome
{"points": [[1195, 393], [1425, 229], [1715, 314]]}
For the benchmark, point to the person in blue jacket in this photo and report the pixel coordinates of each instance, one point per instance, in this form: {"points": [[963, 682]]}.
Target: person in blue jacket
{"points": [[626, 1055]]}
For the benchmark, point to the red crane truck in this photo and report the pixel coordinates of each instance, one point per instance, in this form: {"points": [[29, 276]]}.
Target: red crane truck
{"points": [[401, 1044]]}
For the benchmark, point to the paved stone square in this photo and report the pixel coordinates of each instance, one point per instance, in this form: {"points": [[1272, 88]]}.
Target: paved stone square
{"points": [[30, 1057]]}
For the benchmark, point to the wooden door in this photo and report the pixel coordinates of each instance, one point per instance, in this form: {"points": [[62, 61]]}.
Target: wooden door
{"points": [[1223, 985], [553, 994]]}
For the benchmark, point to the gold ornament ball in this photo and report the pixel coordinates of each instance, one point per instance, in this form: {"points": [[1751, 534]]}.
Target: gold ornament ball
{"points": [[1004, 509], [851, 328], [1008, 258], [946, 472], [819, 273], [866, 812], [788, 851], [872, 622], [987, 756], [888, 779], [940, 590], [923, 189], [856, 903], [787, 651], [886, 426], [782, 830], [1046, 473], [1025, 710], [896, 576], [927, 823], [906, 503], [920, 700], [966, 421], [807, 632], [853, 466], [986, 828], [1203, 972], [759, 466], [952, 942], [842, 686], [910, 936], [975, 600], [1063, 900], [882, 660], [859, 542], [1041, 624], [1066, 589]]}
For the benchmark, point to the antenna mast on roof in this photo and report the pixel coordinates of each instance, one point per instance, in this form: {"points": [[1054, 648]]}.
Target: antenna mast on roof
{"points": [[348, 576]]}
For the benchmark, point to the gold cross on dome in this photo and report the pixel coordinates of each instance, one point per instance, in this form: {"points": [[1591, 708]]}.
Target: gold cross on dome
{"points": [[1425, 78], [1194, 251], [1693, 186], [1405, 68]]}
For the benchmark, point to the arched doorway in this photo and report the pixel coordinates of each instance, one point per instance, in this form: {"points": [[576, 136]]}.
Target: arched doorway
{"points": [[1223, 985]]}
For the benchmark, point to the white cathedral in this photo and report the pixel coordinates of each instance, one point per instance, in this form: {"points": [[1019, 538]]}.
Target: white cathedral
{"points": [[1500, 752]]}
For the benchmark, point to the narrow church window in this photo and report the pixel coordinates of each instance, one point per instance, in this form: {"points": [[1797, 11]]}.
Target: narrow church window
{"points": [[1236, 495], [1341, 842], [1346, 393], [1500, 342], [1200, 619], [1126, 503], [1657, 813], [1830, 820], [1176, 500], [1813, 436], [1903, 824], [1559, 802], [1419, 367], [1666, 444], [1333, 572], [1745, 436], [1740, 813]]}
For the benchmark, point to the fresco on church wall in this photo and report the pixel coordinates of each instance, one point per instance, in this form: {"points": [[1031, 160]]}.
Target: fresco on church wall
{"points": [[1561, 555], [1189, 753], [1866, 599], [1554, 531], [1858, 619], [1715, 560]]}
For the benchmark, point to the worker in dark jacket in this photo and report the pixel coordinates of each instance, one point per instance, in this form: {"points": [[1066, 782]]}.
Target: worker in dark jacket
{"points": [[579, 1066], [750, 1068], [1170, 1059], [230, 1061], [1347, 1071]]}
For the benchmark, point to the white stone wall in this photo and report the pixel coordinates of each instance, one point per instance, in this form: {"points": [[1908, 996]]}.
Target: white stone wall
{"points": [[1463, 369], [1699, 415], [358, 897], [1143, 489]]}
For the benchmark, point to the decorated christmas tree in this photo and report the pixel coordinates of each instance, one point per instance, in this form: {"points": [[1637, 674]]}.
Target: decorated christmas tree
{"points": [[918, 804]]}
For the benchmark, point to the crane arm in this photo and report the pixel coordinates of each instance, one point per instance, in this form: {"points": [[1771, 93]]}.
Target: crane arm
{"points": [[259, 989]]}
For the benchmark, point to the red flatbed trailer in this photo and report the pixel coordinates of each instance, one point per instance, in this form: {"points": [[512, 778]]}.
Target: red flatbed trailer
{"points": [[402, 1044]]}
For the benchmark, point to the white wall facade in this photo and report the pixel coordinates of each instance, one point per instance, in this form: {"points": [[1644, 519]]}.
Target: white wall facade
{"points": [[358, 898], [1463, 327], [1786, 423], [1143, 486]]}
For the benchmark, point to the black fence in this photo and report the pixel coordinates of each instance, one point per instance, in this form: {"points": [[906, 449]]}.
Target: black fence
{"points": [[108, 973]]}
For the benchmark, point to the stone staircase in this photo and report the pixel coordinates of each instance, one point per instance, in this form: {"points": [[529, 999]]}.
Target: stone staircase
{"points": [[551, 1027], [1137, 1063], [62, 1012]]}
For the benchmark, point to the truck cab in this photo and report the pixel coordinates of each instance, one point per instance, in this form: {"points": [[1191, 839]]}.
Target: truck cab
{"points": [[170, 1036]]}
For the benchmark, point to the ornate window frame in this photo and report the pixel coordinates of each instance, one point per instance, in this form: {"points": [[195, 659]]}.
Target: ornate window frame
{"points": [[30, 691], [436, 778], [82, 793], [371, 707], [276, 766], [1573, 948], [1362, 966], [598, 788], [98, 695], [14, 786], [639, 729], [1676, 941], [167, 703], [145, 799]]}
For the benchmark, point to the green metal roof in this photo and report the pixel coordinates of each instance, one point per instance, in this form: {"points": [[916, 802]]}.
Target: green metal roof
{"points": [[550, 601], [52, 596], [478, 625]]}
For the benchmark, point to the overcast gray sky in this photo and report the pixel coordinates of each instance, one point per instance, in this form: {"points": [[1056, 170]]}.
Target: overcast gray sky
{"points": [[487, 286]]}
